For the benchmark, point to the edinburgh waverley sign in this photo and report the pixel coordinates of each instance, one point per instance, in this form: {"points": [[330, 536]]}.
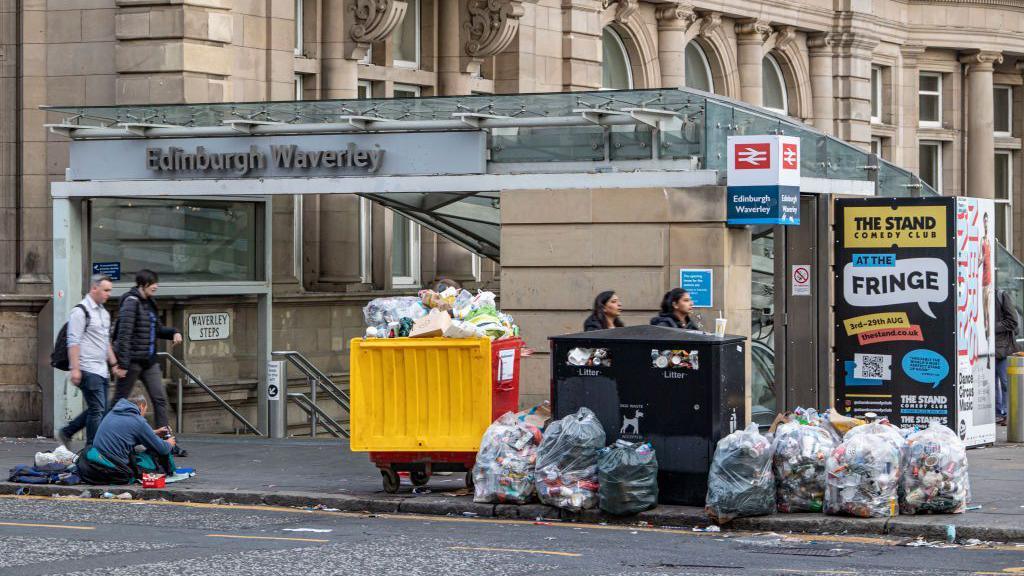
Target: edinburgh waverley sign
{"points": [[299, 156], [287, 156]]}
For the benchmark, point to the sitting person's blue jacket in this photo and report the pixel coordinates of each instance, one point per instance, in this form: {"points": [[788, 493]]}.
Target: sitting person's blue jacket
{"points": [[124, 428]]}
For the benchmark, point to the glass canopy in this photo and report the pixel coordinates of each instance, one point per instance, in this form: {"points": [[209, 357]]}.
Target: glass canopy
{"points": [[683, 127]]}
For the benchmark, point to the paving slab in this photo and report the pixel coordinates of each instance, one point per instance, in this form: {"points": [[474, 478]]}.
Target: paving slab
{"points": [[307, 473]]}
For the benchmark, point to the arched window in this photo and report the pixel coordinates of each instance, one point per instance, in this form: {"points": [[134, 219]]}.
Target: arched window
{"points": [[698, 71], [773, 86], [616, 71]]}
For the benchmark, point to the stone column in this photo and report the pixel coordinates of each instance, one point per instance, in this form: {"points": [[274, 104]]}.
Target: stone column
{"points": [[853, 87], [751, 35], [452, 79], [674, 19], [581, 45], [907, 108], [980, 139], [173, 53], [820, 48]]}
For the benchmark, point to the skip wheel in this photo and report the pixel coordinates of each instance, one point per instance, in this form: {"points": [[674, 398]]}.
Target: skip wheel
{"points": [[390, 481], [469, 479], [419, 478]]}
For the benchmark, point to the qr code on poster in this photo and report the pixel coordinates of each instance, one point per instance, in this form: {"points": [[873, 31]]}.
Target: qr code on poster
{"points": [[872, 366]]}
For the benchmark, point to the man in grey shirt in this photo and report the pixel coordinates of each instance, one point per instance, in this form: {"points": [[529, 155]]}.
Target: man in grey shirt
{"points": [[90, 356]]}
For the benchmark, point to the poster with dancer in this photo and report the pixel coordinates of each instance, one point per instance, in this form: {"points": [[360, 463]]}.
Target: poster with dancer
{"points": [[975, 321]]}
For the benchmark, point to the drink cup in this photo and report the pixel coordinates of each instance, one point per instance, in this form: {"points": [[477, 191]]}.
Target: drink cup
{"points": [[720, 327]]}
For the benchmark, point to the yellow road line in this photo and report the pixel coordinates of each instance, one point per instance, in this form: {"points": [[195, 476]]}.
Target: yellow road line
{"points": [[27, 525], [240, 537], [516, 551], [682, 531]]}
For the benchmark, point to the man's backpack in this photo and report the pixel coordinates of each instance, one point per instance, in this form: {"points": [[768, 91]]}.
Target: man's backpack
{"points": [[59, 357]]}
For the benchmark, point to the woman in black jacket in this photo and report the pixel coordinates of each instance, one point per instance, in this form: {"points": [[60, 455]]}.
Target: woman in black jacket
{"points": [[607, 312], [138, 328], [676, 311]]}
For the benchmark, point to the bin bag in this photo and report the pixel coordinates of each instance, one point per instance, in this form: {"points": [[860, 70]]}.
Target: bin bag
{"points": [[627, 473], [740, 482], [934, 476], [863, 474], [506, 462], [799, 454], [567, 462]]}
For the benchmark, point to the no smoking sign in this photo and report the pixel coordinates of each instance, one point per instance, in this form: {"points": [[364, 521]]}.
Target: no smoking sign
{"points": [[801, 280]]}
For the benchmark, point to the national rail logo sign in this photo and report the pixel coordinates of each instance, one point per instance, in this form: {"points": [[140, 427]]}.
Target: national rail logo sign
{"points": [[763, 180], [754, 156]]}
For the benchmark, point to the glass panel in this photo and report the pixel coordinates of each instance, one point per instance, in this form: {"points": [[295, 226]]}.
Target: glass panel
{"points": [[717, 128], [631, 144], [894, 182], [401, 255], [1001, 112], [846, 162], [1003, 176], [686, 140], [754, 124], [406, 37], [182, 240], [615, 72], [929, 162], [812, 150], [550, 145], [1010, 276], [698, 74], [762, 329], [929, 83], [773, 85], [929, 106]]}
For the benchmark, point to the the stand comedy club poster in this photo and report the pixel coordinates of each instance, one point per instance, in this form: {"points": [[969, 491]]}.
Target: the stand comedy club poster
{"points": [[914, 312]]}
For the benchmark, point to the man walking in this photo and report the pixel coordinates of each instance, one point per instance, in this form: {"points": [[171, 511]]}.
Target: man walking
{"points": [[89, 355], [1006, 345], [138, 327]]}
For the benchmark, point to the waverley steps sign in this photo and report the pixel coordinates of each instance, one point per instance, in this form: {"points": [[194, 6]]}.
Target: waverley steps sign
{"points": [[405, 154]]}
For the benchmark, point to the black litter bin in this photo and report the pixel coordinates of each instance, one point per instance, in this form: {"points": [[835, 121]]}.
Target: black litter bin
{"points": [[679, 390]]}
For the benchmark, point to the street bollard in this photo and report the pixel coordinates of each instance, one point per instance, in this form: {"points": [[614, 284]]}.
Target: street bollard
{"points": [[277, 398], [1015, 397]]}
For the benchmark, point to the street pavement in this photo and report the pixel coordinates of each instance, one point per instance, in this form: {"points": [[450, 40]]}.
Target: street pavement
{"points": [[306, 473], [42, 535]]}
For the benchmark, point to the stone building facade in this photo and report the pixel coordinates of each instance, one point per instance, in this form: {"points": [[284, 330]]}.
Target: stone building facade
{"points": [[931, 85]]}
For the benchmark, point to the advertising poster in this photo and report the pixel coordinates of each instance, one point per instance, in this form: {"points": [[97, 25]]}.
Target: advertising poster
{"points": [[975, 321], [895, 301]]}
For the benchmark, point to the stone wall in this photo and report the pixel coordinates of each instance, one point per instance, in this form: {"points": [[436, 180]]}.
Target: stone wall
{"points": [[561, 248]]}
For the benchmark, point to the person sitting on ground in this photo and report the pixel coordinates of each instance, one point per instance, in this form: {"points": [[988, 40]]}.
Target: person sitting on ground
{"points": [[676, 311], [113, 459]]}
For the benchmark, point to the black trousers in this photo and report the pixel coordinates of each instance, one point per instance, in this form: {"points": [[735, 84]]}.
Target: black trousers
{"points": [[152, 379]]}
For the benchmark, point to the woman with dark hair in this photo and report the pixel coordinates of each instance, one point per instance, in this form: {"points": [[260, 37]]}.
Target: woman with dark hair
{"points": [[676, 308], [607, 312]]}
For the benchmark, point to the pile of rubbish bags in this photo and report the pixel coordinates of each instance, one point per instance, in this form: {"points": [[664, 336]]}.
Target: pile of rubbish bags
{"points": [[741, 482], [813, 462], [466, 315], [628, 476], [567, 462], [566, 465]]}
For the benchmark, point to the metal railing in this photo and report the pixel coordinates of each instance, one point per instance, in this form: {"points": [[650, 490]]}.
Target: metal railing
{"points": [[188, 373], [316, 380], [313, 411]]}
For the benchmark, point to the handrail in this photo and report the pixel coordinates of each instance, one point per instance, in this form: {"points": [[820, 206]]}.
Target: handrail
{"points": [[316, 379], [312, 372], [330, 424], [184, 370]]}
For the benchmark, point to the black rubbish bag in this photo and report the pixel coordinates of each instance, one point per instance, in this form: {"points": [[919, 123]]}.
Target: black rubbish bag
{"points": [[740, 482], [628, 475]]}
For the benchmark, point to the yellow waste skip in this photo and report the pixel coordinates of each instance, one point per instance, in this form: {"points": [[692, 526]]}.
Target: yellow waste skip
{"points": [[419, 394]]}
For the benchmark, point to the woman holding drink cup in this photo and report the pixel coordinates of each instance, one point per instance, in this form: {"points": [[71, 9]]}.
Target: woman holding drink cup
{"points": [[677, 311]]}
